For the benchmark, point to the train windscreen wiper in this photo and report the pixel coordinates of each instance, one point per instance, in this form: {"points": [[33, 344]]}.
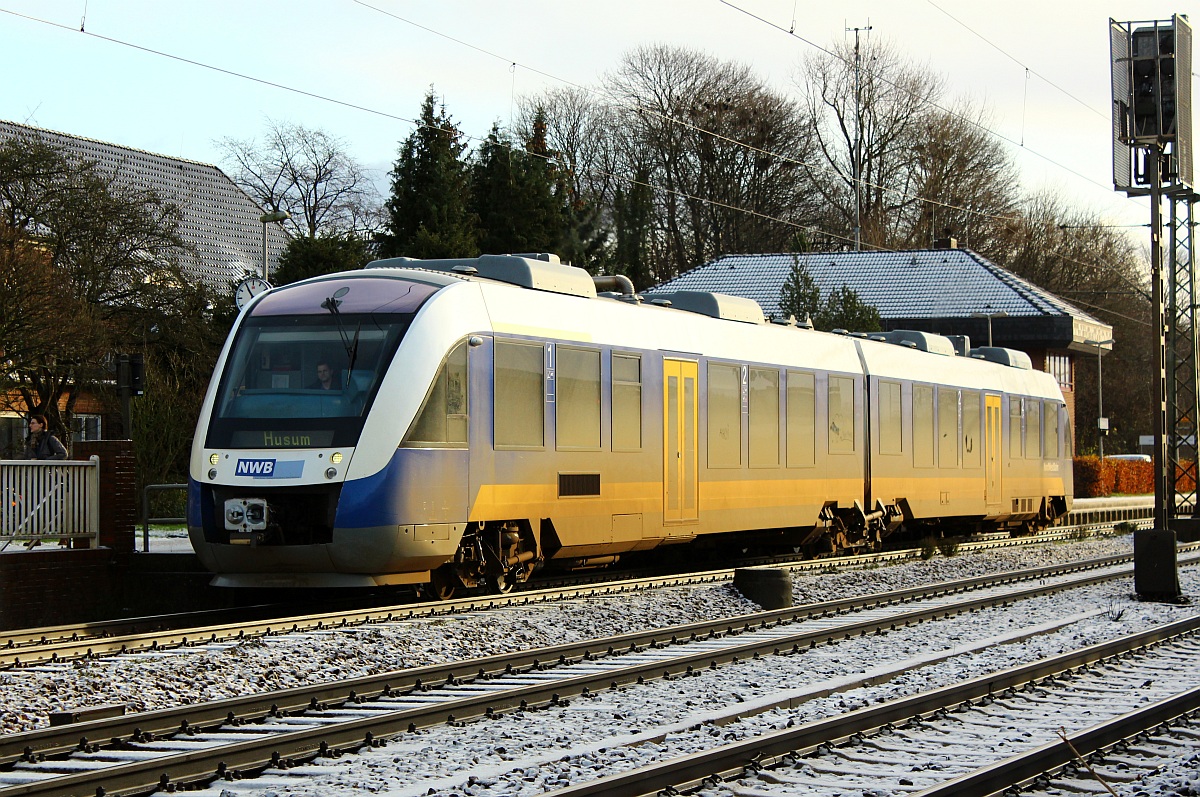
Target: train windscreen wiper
{"points": [[351, 347]]}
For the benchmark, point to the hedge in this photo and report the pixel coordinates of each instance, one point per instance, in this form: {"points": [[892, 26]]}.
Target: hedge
{"points": [[1095, 478]]}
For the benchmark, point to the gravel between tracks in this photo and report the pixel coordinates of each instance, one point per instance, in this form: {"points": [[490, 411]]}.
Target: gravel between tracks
{"points": [[149, 681], [515, 756]]}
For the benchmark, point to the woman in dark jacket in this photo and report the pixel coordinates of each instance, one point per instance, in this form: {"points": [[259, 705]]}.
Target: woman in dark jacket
{"points": [[41, 444]]}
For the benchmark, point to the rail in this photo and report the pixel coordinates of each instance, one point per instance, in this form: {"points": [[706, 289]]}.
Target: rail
{"points": [[54, 500], [147, 520]]}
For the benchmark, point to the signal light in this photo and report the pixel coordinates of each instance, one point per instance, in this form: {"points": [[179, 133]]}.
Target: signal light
{"points": [[1153, 62]]}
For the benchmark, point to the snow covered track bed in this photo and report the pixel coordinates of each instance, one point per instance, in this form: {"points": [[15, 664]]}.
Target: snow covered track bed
{"points": [[591, 729], [25, 647], [944, 736]]}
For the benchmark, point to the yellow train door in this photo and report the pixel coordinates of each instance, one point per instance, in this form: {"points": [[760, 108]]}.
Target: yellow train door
{"points": [[680, 455], [992, 449]]}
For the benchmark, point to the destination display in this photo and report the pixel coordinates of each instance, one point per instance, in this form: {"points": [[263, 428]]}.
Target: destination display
{"points": [[266, 438]]}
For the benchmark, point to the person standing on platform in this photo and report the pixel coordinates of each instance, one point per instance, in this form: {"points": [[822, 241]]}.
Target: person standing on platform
{"points": [[41, 444]]}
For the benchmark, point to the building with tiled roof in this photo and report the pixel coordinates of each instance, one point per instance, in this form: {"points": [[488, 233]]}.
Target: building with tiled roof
{"points": [[220, 225], [220, 222], [945, 291]]}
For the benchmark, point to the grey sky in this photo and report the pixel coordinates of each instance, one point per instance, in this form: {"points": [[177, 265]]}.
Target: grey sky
{"points": [[383, 55]]}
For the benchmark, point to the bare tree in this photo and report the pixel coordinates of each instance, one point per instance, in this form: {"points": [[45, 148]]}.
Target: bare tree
{"points": [[579, 128], [862, 110], [719, 149], [104, 257], [894, 160], [966, 186], [310, 175], [1073, 253]]}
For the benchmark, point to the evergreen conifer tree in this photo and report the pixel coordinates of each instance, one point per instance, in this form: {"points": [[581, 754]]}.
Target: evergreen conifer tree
{"points": [[428, 213], [633, 212], [515, 199], [844, 310], [325, 254], [800, 296]]}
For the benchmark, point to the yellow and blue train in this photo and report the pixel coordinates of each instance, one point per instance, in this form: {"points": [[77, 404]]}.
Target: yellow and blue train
{"points": [[480, 418]]}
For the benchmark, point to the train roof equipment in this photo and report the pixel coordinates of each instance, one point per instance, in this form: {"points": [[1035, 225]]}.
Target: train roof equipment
{"points": [[715, 305], [1010, 357], [921, 341], [541, 272], [546, 272]]}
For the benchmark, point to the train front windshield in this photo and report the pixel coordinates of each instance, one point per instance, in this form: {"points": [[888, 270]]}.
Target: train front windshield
{"points": [[300, 375]]}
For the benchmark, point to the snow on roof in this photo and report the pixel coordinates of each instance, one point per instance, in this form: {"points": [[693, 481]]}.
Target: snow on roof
{"points": [[911, 284]]}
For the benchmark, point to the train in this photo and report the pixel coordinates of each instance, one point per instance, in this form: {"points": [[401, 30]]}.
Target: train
{"points": [[482, 418]]}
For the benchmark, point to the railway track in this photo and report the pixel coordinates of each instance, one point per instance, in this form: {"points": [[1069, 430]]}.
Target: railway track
{"points": [[930, 744], [128, 755], [22, 648]]}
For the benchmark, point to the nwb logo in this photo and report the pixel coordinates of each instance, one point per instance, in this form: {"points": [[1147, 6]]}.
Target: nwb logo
{"points": [[255, 467]]}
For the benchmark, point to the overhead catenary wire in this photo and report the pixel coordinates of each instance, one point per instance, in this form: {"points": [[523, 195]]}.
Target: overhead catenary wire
{"points": [[416, 122], [945, 110], [1017, 61], [512, 65]]}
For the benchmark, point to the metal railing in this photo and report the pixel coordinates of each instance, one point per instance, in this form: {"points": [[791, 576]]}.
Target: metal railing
{"points": [[147, 520], [53, 500]]}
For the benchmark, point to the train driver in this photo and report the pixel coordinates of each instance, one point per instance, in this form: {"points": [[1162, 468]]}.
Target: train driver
{"points": [[326, 378]]}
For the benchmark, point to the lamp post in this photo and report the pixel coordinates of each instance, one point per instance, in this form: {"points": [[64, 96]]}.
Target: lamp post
{"points": [[989, 316], [1101, 421], [267, 218]]}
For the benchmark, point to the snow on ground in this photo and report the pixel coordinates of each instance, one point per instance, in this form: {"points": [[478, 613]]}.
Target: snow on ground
{"points": [[1179, 778], [521, 754], [527, 754], [204, 673]]}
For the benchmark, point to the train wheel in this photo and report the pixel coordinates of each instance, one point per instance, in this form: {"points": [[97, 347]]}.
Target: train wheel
{"points": [[502, 583], [442, 584], [507, 581]]}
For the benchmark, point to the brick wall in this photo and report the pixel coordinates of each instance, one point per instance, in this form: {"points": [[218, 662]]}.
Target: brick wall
{"points": [[57, 587], [118, 490]]}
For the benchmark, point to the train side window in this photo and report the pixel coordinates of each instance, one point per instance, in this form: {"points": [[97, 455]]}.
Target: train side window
{"points": [[1050, 430], [922, 424], [764, 418], [841, 415], [947, 428], [1068, 435], [801, 420], [972, 451], [1015, 433], [442, 420], [1033, 428], [577, 403], [724, 416], [626, 402], [520, 395], [891, 424]]}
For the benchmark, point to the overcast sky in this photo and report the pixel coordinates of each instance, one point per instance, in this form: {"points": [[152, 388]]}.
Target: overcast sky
{"points": [[158, 75]]}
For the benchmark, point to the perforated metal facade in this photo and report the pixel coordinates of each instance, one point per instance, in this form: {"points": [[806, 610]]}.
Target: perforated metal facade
{"points": [[220, 222]]}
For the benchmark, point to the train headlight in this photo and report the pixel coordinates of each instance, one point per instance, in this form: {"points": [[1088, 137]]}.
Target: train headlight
{"points": [[214, 458], [212, 473], [330, 473], [336, 457]]}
